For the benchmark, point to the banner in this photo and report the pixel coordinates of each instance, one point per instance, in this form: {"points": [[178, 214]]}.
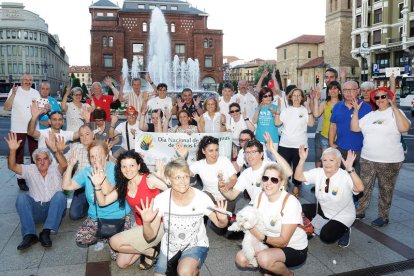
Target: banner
{"points": [[161, 146]]}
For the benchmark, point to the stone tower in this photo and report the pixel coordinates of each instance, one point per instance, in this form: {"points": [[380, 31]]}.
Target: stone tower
{"points": [[338, 27]]}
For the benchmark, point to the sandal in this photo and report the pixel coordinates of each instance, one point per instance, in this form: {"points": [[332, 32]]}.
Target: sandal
{"points": [[147, 262]]}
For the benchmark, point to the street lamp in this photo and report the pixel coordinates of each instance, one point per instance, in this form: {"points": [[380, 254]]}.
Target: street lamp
{"points": [[364, 53], [46, 66]]}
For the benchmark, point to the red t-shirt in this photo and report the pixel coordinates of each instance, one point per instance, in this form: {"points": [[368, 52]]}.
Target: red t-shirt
{"points": [[142, 193], [103, 102]]}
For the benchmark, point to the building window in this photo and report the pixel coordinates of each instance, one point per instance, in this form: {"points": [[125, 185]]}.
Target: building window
{"points": [[151, 7], [411, 28], [412, 6], [110, 14], [284, 53], [358, 3], [401, 60], [137, 48], [210, 43], [172, 27], [111, 41], [107, 60], [383, 61], [208, 61], [369, 20], [358, 21], [138, 51], [180, 48], [99, 14], [378, 16], [205, 43], [163, 7], [400, 8], [377, 37], [141, 6], [309, 54], [174, 8], [144, 26], [104, 41], [349, 4], [322, 53], [357, 41]]}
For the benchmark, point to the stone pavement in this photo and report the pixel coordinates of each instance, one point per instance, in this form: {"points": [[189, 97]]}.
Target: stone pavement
{"points": [[370, 247]]}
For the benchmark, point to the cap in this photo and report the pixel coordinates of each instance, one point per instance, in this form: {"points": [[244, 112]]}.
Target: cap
{"points": [[130, 109], [373, 92]]}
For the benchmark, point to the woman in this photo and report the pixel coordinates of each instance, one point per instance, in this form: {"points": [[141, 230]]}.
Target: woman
{"points": [[334, 95], [379, 159], [181, 210], [158, 124], [184, 123], [74, 110], [366, 88], [295, 120], [99, 126], [281, 214], [212, 120], [212, 169], [334, 188], [264, 117], [133, 184], [237, 123], [98, 154]]}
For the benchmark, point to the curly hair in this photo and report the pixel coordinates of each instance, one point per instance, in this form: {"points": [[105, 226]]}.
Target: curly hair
{"points": [[121, 181], [205, 141]]}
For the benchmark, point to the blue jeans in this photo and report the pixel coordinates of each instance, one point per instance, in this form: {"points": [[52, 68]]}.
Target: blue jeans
{"points": [[32, 212], [79, 206]]}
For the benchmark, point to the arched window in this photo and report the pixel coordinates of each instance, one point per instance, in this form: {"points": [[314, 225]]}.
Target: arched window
{"points": [[144, 26], [205, 43], [111, 41], [210, 43], [173, 27], [104, 41]]}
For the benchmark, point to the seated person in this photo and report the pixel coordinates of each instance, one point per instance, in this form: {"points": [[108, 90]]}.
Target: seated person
{"points": [[99, 125], [159, 123], [45, 202]]}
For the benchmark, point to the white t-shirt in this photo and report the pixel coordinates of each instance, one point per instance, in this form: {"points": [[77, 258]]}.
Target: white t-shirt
{"points": [[273, 220], [74, 119], [21, 114], [209, 172], [157, 103], [295, 126], [224, 108], [212, 125], [236, 128], [251, 181], [338, 203], [121, 129], [187, 222], [247, 103], [381, 137]]}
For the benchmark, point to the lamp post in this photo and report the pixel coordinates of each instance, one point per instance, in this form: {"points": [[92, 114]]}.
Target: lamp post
{"points": [[46, 66], [364, 52]]}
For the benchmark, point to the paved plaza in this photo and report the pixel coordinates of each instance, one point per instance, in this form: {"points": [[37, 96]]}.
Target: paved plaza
{"points": [[370, 247]]}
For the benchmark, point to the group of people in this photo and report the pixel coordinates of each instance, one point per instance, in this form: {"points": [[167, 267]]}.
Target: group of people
{"points": [[160, 212]]}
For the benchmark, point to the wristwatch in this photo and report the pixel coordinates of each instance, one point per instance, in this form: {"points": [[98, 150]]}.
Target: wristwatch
{"points": [[351, 171], [247, 119]]}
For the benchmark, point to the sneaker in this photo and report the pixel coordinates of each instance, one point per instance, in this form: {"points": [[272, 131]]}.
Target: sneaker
{"points": [[345, 240], [379, 222], [360, 216]]}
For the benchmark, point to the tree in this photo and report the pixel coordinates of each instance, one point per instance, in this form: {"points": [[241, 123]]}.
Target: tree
{"points": [[279, 79], [269, 68], [84, 90], [235, 86], [76, 83], [220, 88]]}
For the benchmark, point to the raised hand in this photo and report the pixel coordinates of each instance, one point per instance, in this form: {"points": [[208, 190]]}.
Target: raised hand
{"points": [[114, 118], [303, 152], [97, 176], [265, 73], [14, 88], [355, 105], [51, 141], [221, 204], [35, 110], [86, 114], [196, 117], [159, 169], [197, 101], [121, 81], [108, 81], [145, 96], [392, 102], [148, 77], [109, 143], [180, 103], [147, 211], [350, 158], [269, 142], [60, 143], [12, 142], [181, 150]]}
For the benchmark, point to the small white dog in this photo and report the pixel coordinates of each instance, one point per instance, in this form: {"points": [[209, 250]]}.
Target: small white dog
{"points": [[246, 219]]}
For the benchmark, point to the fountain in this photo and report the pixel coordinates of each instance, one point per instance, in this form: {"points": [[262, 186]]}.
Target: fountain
{"points": [[176, 74]]}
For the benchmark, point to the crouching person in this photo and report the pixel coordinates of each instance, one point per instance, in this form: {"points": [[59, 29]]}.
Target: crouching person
{"points": [[45, 202]]}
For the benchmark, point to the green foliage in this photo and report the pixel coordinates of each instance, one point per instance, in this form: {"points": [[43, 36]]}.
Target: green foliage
{"points": [[76, 83], [220, 88], [279, 79], [84, 90], [236, 86], [269, 68]]}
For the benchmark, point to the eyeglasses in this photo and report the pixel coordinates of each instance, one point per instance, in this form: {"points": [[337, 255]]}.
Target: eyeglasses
{"points": [[250, 152], [76, 95], [267, 96], [380, 97], [243, 140], [179, 178], [234, 111], [327, 185], [274, 180], [349, 90]]}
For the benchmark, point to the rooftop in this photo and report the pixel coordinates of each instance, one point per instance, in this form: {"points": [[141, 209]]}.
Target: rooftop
{"points": [[167, 6], [304, 39], [317, 62]]}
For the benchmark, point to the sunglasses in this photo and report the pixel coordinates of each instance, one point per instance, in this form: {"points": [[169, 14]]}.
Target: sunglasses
{"points": [[380, 97], [274, 180], [234, 111], [327, 185], [267, 96]]}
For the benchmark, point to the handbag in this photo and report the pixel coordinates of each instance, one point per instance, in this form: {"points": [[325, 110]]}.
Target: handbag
{"points": [[108, 227], [318, 222]]}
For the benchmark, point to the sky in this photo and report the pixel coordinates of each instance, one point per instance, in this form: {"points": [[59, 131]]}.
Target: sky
{"points": [[252, 29]]}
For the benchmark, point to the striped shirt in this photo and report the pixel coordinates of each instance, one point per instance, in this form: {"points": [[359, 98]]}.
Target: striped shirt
{"points": [[83, 160], [42, 188], [135, 100]]}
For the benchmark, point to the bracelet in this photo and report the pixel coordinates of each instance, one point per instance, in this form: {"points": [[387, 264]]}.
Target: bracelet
{"points": [[277, 113], [247, 119], [152, 83], [351, 171], [97, 190], [265, 239], [111, 127]]}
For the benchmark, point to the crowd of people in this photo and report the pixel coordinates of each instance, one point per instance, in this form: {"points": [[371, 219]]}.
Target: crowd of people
{"points": [[158, 215]]}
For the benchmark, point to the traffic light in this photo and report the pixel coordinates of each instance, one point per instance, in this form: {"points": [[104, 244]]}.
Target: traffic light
{"points": [[317, 79]]}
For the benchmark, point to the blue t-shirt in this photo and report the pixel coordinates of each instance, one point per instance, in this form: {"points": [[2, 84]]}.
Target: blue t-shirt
{"points": [[111, 211], [341, 116], [266, 122], [54, 106]]}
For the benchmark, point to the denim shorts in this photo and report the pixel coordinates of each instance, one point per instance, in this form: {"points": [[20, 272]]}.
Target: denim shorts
{"points": [[199, 253], [323, 142]]}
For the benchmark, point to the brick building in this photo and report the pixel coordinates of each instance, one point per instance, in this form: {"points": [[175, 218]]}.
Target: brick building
{"points": [[118, 33]]}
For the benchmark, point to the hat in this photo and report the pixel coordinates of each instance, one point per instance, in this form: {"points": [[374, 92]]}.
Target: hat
{"points": [[130, 109], [270, 84], [373, 92]]}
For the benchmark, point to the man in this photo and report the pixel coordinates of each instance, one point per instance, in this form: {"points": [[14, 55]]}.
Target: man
{"points": [[226, 99], [330, 75], [129, 130], [56, 122], [18, 101], [187, 102], [246, 100], [97, 99], [52, 105], [250, 179], [341, 123], [45, 201], [134, 98]]}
